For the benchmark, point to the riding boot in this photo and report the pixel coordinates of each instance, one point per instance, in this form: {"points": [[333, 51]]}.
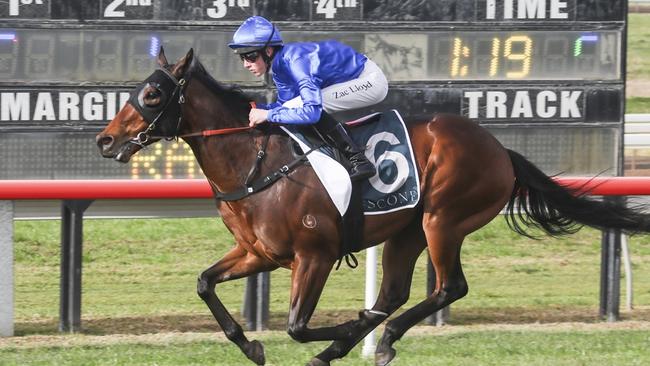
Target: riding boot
{"points": [[360, 167]]}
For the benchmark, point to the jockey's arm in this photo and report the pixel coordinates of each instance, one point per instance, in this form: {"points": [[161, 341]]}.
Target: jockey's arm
{"points": [[310, 93], [269, 106]]}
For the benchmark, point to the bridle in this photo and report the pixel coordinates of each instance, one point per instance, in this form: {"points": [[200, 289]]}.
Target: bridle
{"points": [[170, 112], [162, 115]]}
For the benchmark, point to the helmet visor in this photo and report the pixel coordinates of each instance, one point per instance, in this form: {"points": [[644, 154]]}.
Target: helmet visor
{"points": [[245, 50]]}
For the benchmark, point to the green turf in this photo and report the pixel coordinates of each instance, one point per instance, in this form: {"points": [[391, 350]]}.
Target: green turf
{"points": [[148, 268], [638, 46], [637, 105], [612, 347]]}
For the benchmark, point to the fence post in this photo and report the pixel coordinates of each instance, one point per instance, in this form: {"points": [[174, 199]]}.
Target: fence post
{"points": [[369, 345], [6, 269], [610, 275], [256, 301], [72, 212]]}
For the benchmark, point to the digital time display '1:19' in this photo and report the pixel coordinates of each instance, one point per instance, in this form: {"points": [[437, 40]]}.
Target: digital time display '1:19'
{"points": [[533, 55], [497, 55]]}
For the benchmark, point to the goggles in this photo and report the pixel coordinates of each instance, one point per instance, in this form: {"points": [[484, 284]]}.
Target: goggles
{"points": [[250, 56]]}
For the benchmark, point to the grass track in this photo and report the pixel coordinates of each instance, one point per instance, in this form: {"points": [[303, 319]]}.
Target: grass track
{"points": [[529, 345]]}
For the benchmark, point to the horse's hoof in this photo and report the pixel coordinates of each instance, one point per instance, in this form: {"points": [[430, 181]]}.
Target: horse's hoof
{"points": [[384, 358], [254, 350], [317, 362]]}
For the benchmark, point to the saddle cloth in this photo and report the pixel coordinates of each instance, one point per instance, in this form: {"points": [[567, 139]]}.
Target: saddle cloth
{"points": [[396, 185]]}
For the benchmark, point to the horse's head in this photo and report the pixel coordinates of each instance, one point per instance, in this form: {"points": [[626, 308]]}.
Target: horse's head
{"points": [[153, 111]]}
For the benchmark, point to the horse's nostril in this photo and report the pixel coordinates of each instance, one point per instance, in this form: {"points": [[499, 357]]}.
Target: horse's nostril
{"points": [[105, 141]]}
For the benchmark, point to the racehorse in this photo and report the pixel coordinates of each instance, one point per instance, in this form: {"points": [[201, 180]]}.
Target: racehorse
{"points": [[466, 178]]}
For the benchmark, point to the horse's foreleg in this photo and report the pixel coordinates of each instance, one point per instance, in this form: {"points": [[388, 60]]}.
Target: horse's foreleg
{"points": [[398, 261], [308, 278], [444, 250], [237, 263]]}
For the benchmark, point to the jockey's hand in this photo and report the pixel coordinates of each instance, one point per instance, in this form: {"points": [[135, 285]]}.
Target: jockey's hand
{"points": [[257, 116]]}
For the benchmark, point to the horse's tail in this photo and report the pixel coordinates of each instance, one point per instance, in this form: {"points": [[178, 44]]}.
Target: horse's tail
{"points": [[538, 201]]}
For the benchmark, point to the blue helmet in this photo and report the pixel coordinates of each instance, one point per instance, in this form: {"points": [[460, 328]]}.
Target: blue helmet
{"points": [[255, 33]]}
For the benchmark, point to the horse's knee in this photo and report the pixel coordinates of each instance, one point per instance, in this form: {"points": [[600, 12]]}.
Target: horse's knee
{"points": [[463, 289], [397, 299], [457, 290], [203, 287], [297, 332]]}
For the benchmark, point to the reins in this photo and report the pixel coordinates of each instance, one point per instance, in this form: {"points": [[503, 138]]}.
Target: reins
{"points": [[222, 131]]}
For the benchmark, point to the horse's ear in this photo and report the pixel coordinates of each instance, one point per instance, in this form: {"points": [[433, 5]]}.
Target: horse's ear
{"points": [[183, 64], [162, 60]]}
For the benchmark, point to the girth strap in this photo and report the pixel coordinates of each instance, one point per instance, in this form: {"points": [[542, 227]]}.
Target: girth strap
{"points": [[261, 183]]}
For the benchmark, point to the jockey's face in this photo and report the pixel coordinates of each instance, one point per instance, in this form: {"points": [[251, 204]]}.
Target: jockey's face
{"points": [[254, 62]]}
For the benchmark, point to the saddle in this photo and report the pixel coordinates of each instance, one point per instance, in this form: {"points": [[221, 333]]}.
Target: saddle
{"points": [[394, 187]]}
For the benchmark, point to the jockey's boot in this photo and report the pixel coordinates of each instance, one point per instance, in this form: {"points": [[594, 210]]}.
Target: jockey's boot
{"points": [[360, 167]]}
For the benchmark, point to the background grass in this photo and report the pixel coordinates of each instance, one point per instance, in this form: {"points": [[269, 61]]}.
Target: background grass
{"points": [[638, 46], [140, 274], [638, 59], [523, 347]]}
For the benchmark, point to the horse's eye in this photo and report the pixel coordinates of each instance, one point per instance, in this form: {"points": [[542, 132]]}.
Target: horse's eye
{"points": [[153, 93], [150, 96]]}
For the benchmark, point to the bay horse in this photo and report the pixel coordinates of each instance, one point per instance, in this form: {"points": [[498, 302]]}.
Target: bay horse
{"points": [[466, 178]]}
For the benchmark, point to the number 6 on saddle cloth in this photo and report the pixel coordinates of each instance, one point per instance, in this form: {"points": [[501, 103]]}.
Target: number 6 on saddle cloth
{"points": [[396, 185]]}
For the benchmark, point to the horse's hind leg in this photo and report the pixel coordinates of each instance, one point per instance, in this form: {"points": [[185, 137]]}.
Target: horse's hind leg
{"points": [[444, 250], [398, 261], [237, 263]]}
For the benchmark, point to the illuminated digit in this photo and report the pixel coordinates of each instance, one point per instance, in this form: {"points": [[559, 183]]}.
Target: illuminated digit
{"points": [[459, 51], [110, 11], [220, 9], [494, 61], [523, 57], [455, 61], [326, 7]]}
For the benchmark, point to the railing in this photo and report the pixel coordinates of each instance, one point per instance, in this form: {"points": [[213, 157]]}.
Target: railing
{"points": [[77, 196]]}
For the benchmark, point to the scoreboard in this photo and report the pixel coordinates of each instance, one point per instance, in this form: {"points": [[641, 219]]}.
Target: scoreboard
{"points": [[544, 76]]}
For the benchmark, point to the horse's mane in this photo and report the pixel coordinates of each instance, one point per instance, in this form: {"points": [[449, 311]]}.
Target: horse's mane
{"points": [[232, 96]]}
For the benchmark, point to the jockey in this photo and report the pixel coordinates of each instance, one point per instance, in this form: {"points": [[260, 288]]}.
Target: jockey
{"points": [[312, 79]]}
